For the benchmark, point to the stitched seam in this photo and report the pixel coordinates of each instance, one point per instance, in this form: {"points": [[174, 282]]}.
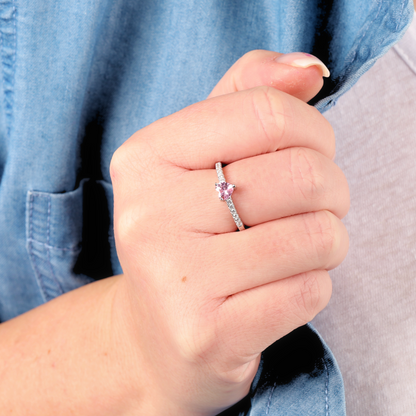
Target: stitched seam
{"points": [[381, 41], [30, 249], [31, 239], [30, 217], [75, 248], [270, 399], [48, 233], [326, 389], [1, 47], [401, 14], [368, 27], [8, 55], [47, 246], [40, 277], [397, 26], [37, 273]]}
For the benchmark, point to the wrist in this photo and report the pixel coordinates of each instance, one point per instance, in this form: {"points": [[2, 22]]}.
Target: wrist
{"points": [[168, 381], [66, 358]]}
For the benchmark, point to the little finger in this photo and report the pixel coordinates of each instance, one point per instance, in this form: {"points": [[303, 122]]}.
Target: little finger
{"points": [[252, 320]]}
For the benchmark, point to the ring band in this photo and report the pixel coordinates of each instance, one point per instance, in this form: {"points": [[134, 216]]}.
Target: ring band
{"points": [[225, 190]]}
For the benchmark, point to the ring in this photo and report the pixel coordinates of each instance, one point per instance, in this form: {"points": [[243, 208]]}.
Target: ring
{"points": [[225, 191]]}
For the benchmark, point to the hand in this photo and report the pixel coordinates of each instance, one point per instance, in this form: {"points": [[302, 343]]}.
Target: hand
{"points": [[204, 301]]}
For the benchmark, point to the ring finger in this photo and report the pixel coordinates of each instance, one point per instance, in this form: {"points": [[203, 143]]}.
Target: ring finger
{"points": [[268, 187]]}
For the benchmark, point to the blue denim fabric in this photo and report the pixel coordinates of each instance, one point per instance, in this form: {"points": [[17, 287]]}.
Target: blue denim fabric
{"points": [[297, 376], [79, 77]]}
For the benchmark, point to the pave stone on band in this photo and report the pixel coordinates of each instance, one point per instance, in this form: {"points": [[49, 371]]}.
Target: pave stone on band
{"points": [[225, 191]]}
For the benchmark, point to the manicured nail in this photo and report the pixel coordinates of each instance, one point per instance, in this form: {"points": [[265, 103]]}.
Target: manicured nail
{"points": [[303, 60]]}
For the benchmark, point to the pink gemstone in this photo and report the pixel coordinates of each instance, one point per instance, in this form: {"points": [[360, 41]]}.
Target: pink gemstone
{"points": [[224, 189]]}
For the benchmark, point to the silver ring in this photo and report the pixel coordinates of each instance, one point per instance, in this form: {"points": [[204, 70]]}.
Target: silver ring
{"points": [[225, 191]]}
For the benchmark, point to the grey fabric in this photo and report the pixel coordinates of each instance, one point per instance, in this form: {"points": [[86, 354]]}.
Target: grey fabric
{"points": [[370, 323]]}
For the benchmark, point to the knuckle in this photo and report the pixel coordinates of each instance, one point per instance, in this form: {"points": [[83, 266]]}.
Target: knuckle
{"points": [[308, 296], [246, 71], [331, 135], [125, 226], [193, 344], [124, 160], [132, 161], [270, 115], [252, 55], [346, 194], [327, 131], [304, 169], [322, 230], [116, 164]]}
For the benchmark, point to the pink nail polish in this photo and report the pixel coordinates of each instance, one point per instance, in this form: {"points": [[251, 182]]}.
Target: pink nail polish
{"points": [[303, 60]]}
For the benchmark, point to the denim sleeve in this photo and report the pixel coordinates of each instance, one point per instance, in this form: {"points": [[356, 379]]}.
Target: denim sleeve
{"points": [[297, 376]]}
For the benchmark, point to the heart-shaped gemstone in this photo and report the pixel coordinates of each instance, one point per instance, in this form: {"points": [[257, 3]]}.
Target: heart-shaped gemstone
{"points": [[225, 190]]}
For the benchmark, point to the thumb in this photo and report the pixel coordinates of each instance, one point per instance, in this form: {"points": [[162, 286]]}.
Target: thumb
{"points": [[298, 74]]}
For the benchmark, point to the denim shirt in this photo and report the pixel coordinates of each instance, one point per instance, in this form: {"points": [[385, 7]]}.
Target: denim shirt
{"points": [[80, 77]]}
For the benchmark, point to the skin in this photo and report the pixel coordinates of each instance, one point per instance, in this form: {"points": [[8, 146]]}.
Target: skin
{"points": [[181, 332]]}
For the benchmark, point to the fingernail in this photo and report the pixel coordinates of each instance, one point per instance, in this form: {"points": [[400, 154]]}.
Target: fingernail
{"points": [[303, 60]]}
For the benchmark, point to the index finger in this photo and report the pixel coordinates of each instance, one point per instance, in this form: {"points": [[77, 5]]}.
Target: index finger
{"points": [[237, 126]]}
